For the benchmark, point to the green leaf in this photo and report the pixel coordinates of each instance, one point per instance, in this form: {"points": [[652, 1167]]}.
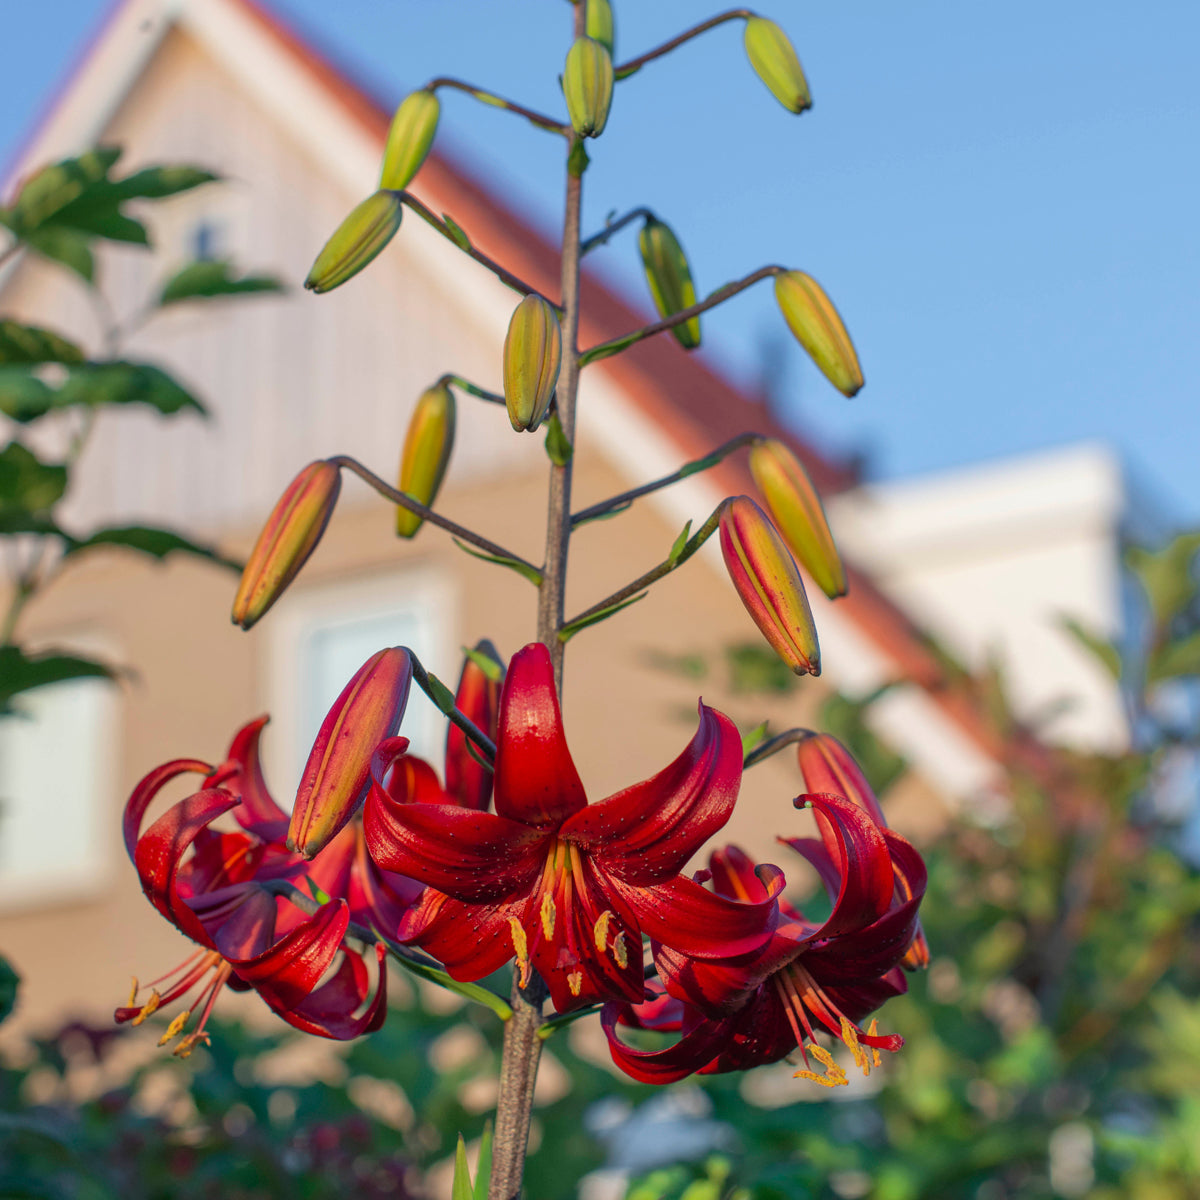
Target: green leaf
{"points": [[157, 543], [678, 545], [531, 573], [66, 246], [577, 159], [558, 449], [20, 672], [433, 973], [48, 191], [17, 520], [608, 349], [755, 737], [25, 395], [26, 484], [1101, 648], [439, 693], [568, 631], [492, 669], [1166, 574], [457, 233], [10, 982], [28, 344], [1180, 657], [154, 183], [483, 1168], [206, 279], [461, 1188]]}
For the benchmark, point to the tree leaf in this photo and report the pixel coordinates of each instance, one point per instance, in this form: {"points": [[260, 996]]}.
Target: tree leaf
{"points": [[29, 344], [10, 981], [25, 396], [48, 191], [154, 183], [1101, 648], [209, 278], [1166, 575], [66, 246], [1180, 657], [157, 543], [28, 485], [20, 672]]}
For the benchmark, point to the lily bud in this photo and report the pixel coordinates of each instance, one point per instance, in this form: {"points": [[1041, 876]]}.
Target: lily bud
{"points": [[338, 772], [532, 355], [774, 59], [798, 514], [356, 241], [766, 579], [600, 24], [287, 539], [669, 277], [478, 697], [818, 328], [587, 85], [426, 454], [409, 138]]}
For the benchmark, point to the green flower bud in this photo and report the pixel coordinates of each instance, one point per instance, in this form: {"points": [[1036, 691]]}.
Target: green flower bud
{"points": [[669, 277], [532, 355], [600, 24], [409, 139], [772, 56], [426, 454], [587, 85], [356, 241], [818, 328]]}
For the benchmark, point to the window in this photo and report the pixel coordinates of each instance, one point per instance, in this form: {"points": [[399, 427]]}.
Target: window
{"points": [[56, 780], [321, 636]]}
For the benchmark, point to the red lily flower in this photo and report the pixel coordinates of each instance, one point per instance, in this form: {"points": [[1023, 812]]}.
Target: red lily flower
{"points": [[565, 886], [759, 1007], [215, 887]]}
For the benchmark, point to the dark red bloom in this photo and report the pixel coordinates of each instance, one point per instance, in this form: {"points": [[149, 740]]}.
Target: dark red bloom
{"points": [[216, 888], [565, 886], [763, 1005]]}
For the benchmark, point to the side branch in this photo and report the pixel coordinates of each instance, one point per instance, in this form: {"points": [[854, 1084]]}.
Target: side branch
{"points": [[535, 118], [613, 227], [458, 236], [473, 389], [773, 745], [443, 700], [673, 560], [607, 349], [434, 518], [636, 64], [613, 503]]}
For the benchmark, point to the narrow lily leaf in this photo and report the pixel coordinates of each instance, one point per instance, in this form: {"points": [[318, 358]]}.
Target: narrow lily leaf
{"points": [[603, 516], [157, 543], [1181, 657], [531, 573], [679, 543], [700, 464], [608, 349], [212, 279], [462, 1188], [28, 344], [437, 691], [472, 991], [485, 662], [483, 1168], [20, 672], [567, 632], [1100, 647], [457, 233], [549, 1028], [754, 738], [26, 484], [317, 892], [558, 449]]}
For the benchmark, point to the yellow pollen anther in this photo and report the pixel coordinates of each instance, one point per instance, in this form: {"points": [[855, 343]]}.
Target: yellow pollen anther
{"points": [[148, 1009], [850, 1036], [520, 948], [575, 982], [548, 914], [834, 1075], [873, 1031], [619, 952], [600, 931], [133, 991], [189, 1043], [176, 1027]]}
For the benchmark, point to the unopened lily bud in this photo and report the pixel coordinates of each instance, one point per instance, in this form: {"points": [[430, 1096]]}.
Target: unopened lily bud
{"points": [[356, 241], [587, 85], [669, 277], [768, 582], [338, 772], [818, 328], [287, 539], [532, 355], [478, 698], [774, 58], [426, 454], [600, 24], [798, 514], [409, 138]]}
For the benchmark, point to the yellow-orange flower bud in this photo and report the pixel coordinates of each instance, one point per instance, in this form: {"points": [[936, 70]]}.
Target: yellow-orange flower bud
{"points": [[532, 355], [426, 454], [587, 84], [338, 772], [600, 24], [774, 58], [798, 513], [669, 277], [409, 138], [769, 584], [356, 241], [287, 539], [818, 328]]}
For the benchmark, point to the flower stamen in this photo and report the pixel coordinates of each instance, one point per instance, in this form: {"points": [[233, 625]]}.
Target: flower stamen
{"points": [[520, 948]]}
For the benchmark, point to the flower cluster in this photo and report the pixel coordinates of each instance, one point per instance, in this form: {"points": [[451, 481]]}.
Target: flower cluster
{"points": [[509, 862]]}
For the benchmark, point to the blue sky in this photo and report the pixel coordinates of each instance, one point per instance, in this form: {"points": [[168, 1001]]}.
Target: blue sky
{"points": [[1003, 200]]}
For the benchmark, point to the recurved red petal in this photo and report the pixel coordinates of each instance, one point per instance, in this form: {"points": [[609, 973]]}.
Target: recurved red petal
{"points": [[469, 940], [465, 853], [647, 832], [258, 812], [149, 787], [692, 1052], [329, 1011], [536, 781]]}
